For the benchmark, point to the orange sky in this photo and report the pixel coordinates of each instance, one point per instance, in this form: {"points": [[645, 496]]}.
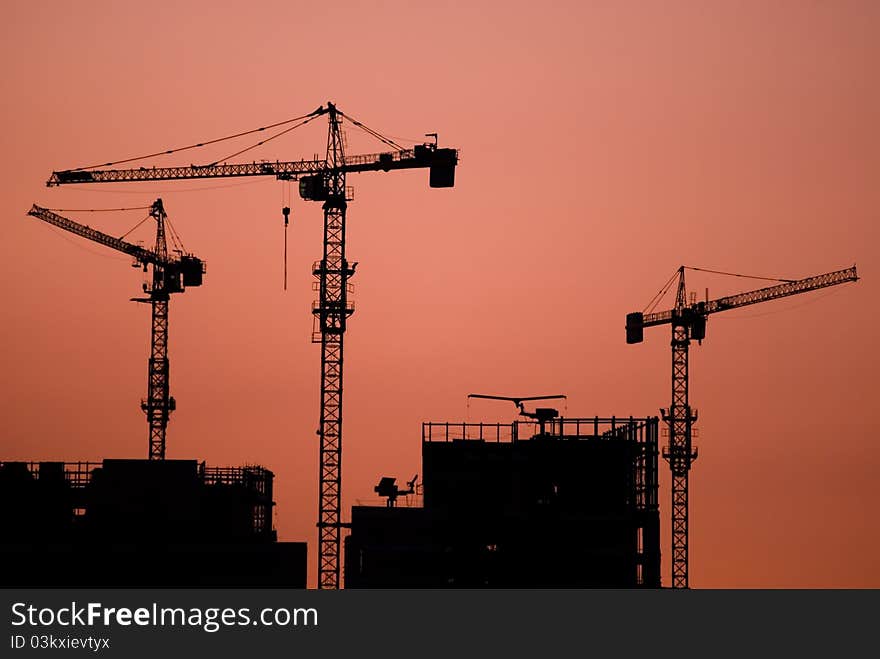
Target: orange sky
{"points": [[603, 144]]}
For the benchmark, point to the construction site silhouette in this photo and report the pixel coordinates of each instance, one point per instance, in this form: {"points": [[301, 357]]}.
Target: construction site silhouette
{"points": [[548, 502], [573, 505], [142, 523]]}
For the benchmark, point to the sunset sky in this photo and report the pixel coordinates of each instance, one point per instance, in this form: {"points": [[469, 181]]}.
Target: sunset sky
{"points": [[603, 144]]}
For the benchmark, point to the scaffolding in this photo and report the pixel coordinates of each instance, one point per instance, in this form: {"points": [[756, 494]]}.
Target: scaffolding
{"points": [[76, 474], [641, 431], [253, 481], [544, 503]]}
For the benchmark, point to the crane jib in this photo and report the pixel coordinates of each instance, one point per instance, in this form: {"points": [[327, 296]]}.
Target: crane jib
{"points": [[637, 321], [187, 268], [441, 162]]}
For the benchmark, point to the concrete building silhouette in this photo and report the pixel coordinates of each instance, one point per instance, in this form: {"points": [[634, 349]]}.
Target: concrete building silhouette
{"points": [[573, 506], [142, 523]]}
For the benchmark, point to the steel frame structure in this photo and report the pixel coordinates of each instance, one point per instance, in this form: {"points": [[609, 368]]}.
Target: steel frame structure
{"points": [[158, 404], [642, 433], [680, 452], [257, 481], [332, 311]]}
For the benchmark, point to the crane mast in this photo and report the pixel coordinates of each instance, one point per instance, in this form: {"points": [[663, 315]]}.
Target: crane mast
{"points": [[332, 311], [325, 181], [159, 403], [170, 275], [680, 452], [688, 322]]}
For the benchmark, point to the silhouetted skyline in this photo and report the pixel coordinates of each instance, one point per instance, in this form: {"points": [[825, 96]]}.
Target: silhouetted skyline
{"points": [[601, 146]]}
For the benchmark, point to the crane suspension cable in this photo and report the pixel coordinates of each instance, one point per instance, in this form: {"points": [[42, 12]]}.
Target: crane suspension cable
{"points": [[78, 244], [733, 274], [176, 240], [652, 304], [406, 139], [372, 132], [260, 143], [665, 289], [193, 146], [106, 210], [811, 300], [134, 227]]}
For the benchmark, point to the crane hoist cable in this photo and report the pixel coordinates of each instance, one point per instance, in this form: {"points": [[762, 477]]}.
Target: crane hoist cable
{"points": [[195, 146], [285, 211]]}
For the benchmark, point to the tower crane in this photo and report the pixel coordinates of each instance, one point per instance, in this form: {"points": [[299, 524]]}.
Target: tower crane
{"points": [[171, 274], [322, 180], [688, 321]]}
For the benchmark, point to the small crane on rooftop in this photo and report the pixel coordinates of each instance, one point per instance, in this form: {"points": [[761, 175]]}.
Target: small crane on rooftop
{"points": [[541, 414]]}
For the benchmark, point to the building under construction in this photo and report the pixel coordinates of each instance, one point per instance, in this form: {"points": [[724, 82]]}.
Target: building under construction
{"points": [[567, 503], [142, 523]]}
